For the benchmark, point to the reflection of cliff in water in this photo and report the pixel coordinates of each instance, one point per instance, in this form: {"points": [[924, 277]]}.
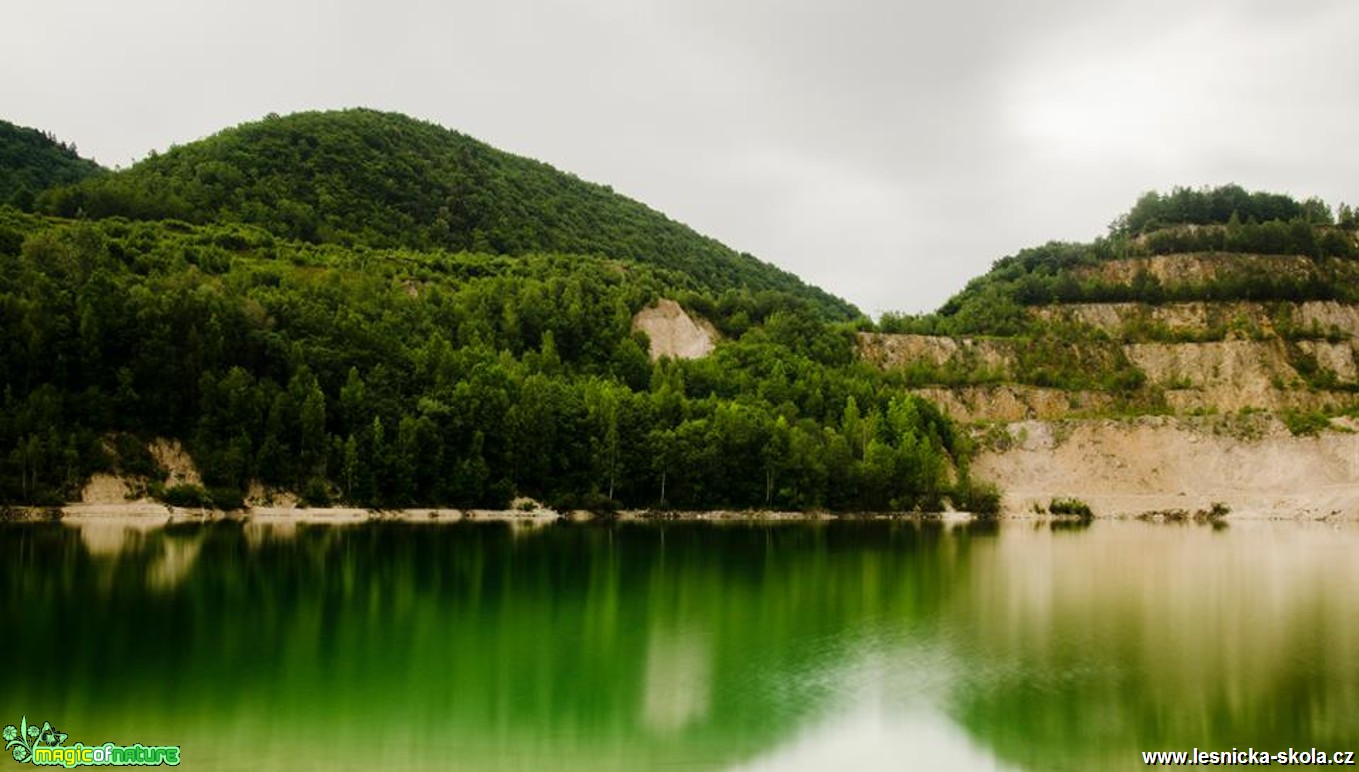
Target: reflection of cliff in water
{"points": [[1091, 647]]}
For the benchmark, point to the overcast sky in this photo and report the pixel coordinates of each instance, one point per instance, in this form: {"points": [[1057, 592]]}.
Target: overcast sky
{"points": [[886, 151]]}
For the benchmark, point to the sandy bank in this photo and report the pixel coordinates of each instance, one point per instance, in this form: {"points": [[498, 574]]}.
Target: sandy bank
{"points": [[1123, 468]]}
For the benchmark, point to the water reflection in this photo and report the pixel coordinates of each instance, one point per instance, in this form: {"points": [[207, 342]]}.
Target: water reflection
{"points": [[678, 679], [864, 738], [423, 646], [1145, 637]]}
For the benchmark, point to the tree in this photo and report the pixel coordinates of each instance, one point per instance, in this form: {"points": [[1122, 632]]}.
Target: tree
{"points": [[313, 440]]}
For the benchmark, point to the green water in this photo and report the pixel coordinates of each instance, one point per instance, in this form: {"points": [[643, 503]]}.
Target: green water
{"points": [[878, 645]]}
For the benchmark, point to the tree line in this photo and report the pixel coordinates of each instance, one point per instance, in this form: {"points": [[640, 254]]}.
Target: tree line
{"points": [[1203, 206]]}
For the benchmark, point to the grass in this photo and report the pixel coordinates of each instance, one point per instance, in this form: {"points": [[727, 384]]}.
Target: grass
{"points": [[1305, 423]]}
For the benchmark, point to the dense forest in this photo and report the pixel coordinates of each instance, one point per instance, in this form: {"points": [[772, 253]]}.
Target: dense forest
{"points": [[358, 363], [398, 378], [1217, 222], [361, 177], [32, 161]]}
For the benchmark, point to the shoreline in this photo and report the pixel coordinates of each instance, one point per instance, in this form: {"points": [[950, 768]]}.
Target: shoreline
{"points": [[145, 513], [152, 512]]}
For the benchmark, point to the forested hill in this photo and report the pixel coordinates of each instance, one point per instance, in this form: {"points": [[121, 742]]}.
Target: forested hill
{"points": [[32, 161], [361, 177], [358, 307]]}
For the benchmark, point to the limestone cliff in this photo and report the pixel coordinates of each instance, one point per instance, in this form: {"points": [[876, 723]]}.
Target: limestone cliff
{"points": [[1154, 382]]}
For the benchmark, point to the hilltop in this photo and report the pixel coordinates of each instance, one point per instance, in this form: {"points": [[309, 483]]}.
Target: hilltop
{"points": [[366, 178], [32, 161], [1210, 335]]}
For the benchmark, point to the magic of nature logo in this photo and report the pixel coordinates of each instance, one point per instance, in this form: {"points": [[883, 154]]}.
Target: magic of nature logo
{"points": [[46, 746]]}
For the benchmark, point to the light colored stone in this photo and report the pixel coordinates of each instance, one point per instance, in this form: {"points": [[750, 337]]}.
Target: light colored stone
{"points": [[674, 333]]}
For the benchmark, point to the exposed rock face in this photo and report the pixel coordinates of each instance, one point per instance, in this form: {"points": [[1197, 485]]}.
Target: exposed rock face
{"points": [[1190, 357], [1317, 318], [1216, 375], [1013, 402], [1229, 375], [889, 351], [1196, 268], [1159, 463], [1200, 422], [674, 333], [111, 489], [104, 488], [171, 456]]}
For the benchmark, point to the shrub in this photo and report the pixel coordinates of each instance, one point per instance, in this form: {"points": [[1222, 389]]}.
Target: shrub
{"points": [[316, 493], [184, 495], [1301, 422], [593, 502], [980, 498], [1070, 507], [226, 498], [1216, 511]]}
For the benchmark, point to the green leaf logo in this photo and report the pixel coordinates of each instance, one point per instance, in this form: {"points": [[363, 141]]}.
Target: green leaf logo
{"points": [[22, 740]]}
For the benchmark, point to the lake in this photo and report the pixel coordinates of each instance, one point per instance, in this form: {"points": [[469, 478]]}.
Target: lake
{"points": [[689, 646]]}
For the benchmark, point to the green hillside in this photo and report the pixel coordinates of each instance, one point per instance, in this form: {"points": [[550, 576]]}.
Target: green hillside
{"points": [[32, 161], [360, 177], [394, 378], [361, 308], [1228, 225]]}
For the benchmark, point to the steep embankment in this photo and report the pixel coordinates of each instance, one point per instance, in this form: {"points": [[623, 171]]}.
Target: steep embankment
{"points": [[1161, 464], [1163, 369], [1220, 429], [1007, 379]]}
